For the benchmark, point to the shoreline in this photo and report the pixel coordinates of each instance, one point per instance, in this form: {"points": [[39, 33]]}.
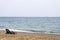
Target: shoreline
{"points": [[24, 31], [28, 36]]}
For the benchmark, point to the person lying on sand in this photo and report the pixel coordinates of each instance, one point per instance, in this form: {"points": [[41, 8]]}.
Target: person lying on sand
{"points": [[9, 32]]}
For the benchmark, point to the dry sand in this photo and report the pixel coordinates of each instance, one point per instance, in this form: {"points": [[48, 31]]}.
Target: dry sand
{"points": [[28, 36]]}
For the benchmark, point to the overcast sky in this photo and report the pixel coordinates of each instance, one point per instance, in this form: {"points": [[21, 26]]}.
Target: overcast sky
{"points": [[30, 8]]}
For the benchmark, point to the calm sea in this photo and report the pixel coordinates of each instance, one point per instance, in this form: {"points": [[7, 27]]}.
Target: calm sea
{"points": [[34, 24]]}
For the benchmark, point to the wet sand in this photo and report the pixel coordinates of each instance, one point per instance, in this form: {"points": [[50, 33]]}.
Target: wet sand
{"points": [[28, 36]]}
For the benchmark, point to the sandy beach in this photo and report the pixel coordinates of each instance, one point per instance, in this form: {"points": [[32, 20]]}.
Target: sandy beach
{"points": [[28, 36]]}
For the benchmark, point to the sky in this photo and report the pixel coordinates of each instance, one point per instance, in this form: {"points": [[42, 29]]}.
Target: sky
{"points": [[29, 8]]}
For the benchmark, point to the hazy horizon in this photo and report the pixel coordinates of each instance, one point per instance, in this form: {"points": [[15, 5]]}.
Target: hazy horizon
{"points": [[29, 8]]}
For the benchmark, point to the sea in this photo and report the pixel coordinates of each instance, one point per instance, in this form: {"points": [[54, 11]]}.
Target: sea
{"points": [[31, 24]]}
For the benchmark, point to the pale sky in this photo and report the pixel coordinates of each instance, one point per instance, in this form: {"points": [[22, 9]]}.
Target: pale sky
{"points": [[30, 8]]}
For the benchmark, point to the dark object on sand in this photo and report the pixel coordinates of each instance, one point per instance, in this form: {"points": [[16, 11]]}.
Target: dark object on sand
{"points": [[9, 32]]}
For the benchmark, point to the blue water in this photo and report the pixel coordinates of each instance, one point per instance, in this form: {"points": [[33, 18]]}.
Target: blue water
{"points": [[34, 24]]}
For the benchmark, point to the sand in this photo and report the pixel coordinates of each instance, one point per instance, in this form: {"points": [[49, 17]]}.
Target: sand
{"points": [[28, 36]]}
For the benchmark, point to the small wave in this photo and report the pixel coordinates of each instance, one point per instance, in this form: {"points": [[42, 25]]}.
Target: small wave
{"points": [[45, 32], [18, 30], [2, 29], [51, 33], [32, 31], [35, 31]]}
